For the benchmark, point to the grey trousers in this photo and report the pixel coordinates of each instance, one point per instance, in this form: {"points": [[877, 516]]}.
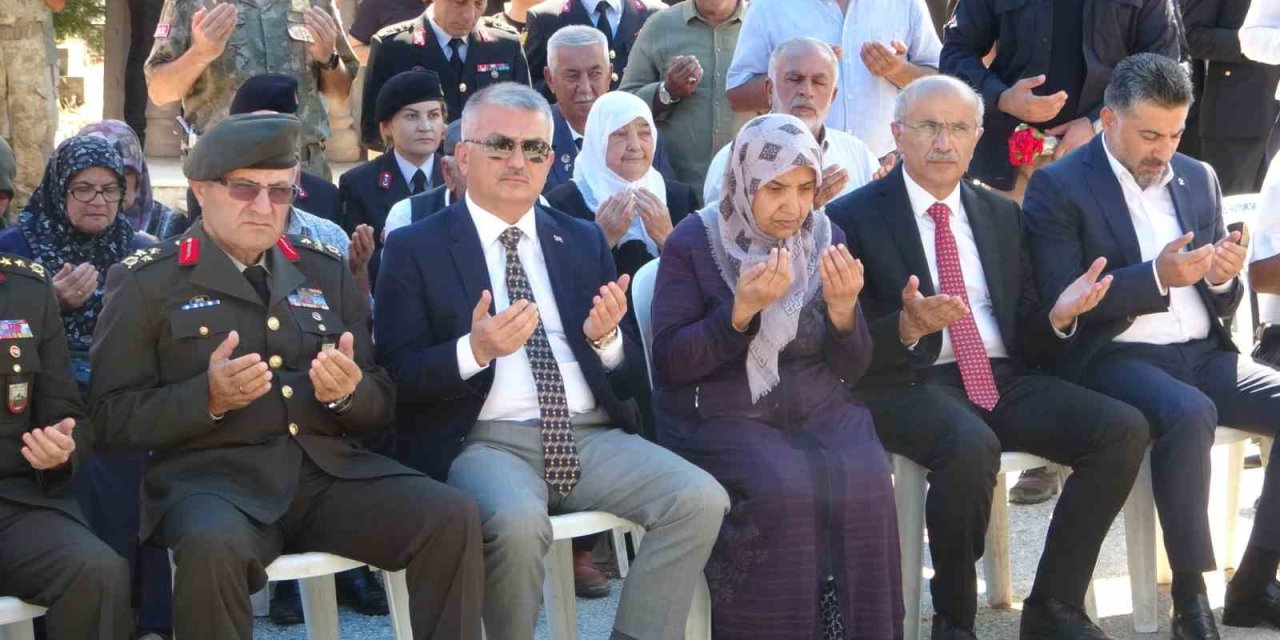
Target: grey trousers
{"points": [[678, 504]]}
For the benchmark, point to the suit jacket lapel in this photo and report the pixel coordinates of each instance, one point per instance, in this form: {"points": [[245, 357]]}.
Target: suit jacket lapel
{"points": [[1105, 188], [895, 206], [284, 277], [559, 263], [468, 255], [215, 270], [988, 238], [1182, 206], [564, 146]]}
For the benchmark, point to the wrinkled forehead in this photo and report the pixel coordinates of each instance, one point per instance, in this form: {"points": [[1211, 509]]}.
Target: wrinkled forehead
{"points": [[512, 122]]}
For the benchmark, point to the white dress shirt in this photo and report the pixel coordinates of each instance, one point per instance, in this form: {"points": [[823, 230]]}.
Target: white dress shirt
{"points": [[975, 278], [838, 149], [864, 105], [513, 395], [443, 37], [613, 13], [1155, 221], [407, 169]]}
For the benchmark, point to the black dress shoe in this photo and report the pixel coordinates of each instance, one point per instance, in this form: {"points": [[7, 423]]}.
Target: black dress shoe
{"points": [[1252, 609], [1045, 618], [1194, 620], [286, 604], [944, 630], [361, 591]]}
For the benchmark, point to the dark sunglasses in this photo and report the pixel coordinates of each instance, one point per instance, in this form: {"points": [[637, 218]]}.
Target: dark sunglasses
{"points": [[248, 191], [500, 147]]}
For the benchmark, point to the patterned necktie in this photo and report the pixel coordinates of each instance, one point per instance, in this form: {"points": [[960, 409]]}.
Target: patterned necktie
{"points": [[419, 183], [561, 466], [971, 355], [602, 22]]}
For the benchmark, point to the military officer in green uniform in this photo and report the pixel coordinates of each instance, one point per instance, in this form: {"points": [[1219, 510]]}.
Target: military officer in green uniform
{"points": [[48, 555], [204, 50], [241, 359]]}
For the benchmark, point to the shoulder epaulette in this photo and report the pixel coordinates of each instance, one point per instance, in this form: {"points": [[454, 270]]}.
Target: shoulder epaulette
{"points": [[10, 263], [151, 255], [316, 246]]}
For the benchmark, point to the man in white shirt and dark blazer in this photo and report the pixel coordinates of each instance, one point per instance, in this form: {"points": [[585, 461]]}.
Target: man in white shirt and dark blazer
{"points": [[499, 321], [1158, 341]]}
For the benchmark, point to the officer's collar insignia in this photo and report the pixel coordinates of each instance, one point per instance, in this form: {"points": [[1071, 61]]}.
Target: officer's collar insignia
{"points": [[189, 251], [286, 247], [384, 180], [568, 6], [302, 193], [419, 35]]}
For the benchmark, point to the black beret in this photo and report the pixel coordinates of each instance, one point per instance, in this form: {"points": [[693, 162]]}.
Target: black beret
{"points": [[266, 92], [246, 141], [404, 89]]}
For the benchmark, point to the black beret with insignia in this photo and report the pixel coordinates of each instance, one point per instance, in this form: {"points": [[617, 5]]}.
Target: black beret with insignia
{"points": [[247, 141], [406, 88]]}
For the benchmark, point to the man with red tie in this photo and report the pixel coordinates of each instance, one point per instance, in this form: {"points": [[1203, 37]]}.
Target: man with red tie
{"points": [[958, 332]]}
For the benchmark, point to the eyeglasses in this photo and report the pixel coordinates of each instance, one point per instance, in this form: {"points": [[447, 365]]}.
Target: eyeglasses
{"points": [[500, 147], [248, 191], [929, 129], [87, 192]]}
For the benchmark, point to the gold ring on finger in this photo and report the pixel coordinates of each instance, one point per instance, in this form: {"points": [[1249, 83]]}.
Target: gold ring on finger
{"points": [[241, 388]]}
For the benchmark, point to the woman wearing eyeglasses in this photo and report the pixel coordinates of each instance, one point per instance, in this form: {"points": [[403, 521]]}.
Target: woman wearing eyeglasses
{"points": [[615, 185]]}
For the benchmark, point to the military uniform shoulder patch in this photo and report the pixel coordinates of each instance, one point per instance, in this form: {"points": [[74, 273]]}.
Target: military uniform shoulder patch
{"points": [[10, 263], [314, 245], [150, 255]]}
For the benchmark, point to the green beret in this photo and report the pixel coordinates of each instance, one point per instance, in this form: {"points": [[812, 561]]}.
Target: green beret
{"points": [[249, 141], [8, 167]]}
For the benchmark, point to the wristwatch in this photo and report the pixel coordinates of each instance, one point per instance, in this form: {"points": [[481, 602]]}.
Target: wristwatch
{"points": [[665, 96], [599, 345], [341, 405], [332, 62]]}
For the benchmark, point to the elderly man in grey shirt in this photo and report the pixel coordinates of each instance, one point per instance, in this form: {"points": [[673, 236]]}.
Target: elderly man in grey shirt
{"points": [[674, 50]]}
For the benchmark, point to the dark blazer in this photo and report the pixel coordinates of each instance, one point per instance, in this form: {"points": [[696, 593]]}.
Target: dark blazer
{"points": [[39, 389], [1239, 94], [493, 56], [369, 190], [548, 16], [1075, 212], [428, 202], [566, 153], [316, 196], [432, 275], [882, 232], [152, 347], [628, 256], [1021, 29]]}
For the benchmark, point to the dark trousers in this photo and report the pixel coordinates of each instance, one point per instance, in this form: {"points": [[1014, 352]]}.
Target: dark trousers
{"points": [[49, 559], [143, 17], [1236, 161], [392, 523], [934, 424], [1186, 391]]}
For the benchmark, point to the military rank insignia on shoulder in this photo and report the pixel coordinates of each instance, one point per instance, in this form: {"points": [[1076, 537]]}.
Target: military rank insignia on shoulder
{"points": [[143, 257], [10, 263], [314, 245]]}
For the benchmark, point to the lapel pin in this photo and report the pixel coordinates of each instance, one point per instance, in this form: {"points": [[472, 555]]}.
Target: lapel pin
{"points": [[1181, 182], [557, 239]]}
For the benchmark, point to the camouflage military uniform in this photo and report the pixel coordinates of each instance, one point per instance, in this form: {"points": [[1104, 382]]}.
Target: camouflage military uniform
{"points": [[28, 90], [270, 38]]}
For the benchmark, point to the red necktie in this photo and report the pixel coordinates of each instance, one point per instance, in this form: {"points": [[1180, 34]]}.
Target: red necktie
{"points": [[971, 355]]}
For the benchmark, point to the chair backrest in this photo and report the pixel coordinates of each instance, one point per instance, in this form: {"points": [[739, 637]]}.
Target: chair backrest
{"points": [[1243, 208], [642, 297]]}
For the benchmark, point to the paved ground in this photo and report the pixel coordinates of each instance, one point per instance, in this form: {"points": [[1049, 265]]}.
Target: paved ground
{"points": [[1028, 525]]}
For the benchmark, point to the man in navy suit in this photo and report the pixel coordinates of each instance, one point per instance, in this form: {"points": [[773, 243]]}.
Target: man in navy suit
{"points": [[577, 73], [499, 321], [1158, 341]]}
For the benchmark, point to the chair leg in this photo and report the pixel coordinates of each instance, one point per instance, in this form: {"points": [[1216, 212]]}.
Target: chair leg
{"points": [[397, 588], [995, 560], [698, 625], [24, 630], [909, 489], [261, 601], [1231, 505], [557, 592], [320, 607], [1091, 603], [1140, 547], [620, 551]]}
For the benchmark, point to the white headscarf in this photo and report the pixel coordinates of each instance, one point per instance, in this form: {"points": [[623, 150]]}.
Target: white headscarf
{"points": [[595, 180]]}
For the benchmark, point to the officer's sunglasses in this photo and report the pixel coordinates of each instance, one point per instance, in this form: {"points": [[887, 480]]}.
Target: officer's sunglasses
{"points": [[245, 191], [500, 147]]}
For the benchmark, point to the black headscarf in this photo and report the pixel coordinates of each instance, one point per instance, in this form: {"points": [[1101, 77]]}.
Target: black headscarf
{"points": [[55, 241]]}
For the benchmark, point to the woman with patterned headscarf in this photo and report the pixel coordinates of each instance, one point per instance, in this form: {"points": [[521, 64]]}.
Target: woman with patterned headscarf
{"points": [[758, 338], [141, 209]]}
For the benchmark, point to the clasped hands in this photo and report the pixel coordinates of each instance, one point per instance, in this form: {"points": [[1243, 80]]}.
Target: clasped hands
{"points": [[234, 383], [500, 335]]}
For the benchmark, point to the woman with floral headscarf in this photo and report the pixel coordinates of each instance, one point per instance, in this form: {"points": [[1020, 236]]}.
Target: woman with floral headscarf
{"points": [[758, 338], [141, 209]]}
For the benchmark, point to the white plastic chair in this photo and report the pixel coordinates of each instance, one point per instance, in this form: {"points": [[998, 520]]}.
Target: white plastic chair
{"points": [[16, 619], [557, 587], [314, 572], [910, 486]]}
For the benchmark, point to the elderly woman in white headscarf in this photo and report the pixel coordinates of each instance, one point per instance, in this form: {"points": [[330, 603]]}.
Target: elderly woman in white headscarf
{"points": [[758, 338], [615, 185]]}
